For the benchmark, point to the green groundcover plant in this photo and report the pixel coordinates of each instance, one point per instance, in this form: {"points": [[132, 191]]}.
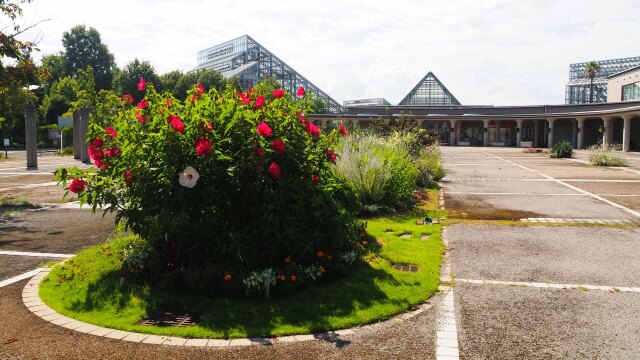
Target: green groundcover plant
{"points": [[229, 192], [562, 149]]}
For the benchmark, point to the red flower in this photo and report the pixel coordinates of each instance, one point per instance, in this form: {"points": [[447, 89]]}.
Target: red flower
{"points": [[142, 84], [343, 130], [111, 132], [282, 277], [203, 146], [101, 164], [259, 102], [287, 260], [302, 117], [245, 99], [264, 130], [95, 153], [200, 88], [320, 254], [140, 117], [275, 171], [331, 155], [293, 278], [193, 97], [142, 104], [300, 91], [169, 103], [76, 186], [128, 178], [114, 151], [176, 123], [258, 150], [127, 98], [97, 142], [278, 93], [206, 126], [312, 129], [315, 179], [227, 277], [278, 146]]}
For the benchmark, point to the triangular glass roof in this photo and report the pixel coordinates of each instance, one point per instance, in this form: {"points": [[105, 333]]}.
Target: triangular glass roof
{"points": [[429, 92]]}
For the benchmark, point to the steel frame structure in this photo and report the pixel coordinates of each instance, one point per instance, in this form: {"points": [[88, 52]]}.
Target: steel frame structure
{"points": [[250, 62], [577, 89], [430, 91]]}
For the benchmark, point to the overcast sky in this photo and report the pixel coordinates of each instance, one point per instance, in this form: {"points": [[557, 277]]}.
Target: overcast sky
{"points": [[486, 52]]}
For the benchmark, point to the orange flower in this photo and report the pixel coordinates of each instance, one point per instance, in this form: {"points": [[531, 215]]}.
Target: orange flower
{"points": [[320, 254], [227, 277], [365, 242], [282, 278], [294, 278], [287, 260]]}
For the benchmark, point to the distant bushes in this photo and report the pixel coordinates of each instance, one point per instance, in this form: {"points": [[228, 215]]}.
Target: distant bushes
{"points": [[605, 156]]}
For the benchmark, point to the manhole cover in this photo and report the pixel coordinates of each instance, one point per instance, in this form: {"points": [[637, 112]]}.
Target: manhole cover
{"points": [[408, 268], [171, 319]]}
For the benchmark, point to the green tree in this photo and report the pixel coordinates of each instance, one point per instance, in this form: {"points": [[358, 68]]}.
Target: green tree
{"points": [[12, 103], [53, 65], [168, 81], [126, 80], [591, 68], [208, 78], [84, 48]]}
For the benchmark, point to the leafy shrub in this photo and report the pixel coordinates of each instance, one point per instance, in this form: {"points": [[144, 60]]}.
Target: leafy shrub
{"points": [[429, 165], [605, 156], [382, 172], [230, 191], [562, 149]]}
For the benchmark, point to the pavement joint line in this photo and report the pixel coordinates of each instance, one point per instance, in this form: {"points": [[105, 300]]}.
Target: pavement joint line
{"points": [[624, 208], [43, 165], [584, 221], [29, 186], [20, 277], [510, 193], [36, 254], [549, 285]]}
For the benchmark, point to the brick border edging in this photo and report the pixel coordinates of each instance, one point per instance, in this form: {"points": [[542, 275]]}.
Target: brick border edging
{"points": [[32, 300]]}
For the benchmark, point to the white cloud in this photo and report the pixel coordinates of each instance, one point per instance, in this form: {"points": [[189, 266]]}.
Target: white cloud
{"points": [[486, 52]]}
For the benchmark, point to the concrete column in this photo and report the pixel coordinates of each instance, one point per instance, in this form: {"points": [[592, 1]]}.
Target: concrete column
{"points": [[606, 123], [497, 139], [626, 132], [452, 134], [485, 133], [574, 132], [31, 137], [580, 132], [518, 132], [84, 128], [550, 140], [77, 146], [536, 130], [612, 125]]}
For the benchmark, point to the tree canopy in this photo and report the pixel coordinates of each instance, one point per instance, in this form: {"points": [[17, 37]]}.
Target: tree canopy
{"points": [[84, 48]]}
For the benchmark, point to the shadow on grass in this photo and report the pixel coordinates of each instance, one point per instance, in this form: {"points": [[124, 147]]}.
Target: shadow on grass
{"points": [[335, 304]]}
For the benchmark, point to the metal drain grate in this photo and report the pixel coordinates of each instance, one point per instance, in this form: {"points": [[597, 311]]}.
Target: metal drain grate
{"points": [[171, 319], [411, 268]]}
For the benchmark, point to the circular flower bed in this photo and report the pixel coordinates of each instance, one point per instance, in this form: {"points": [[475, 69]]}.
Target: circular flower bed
{"points": [[229, 192]]}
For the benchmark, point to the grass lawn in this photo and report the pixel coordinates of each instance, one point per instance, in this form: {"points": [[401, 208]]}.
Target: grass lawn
{"points": [[13, 206], [87, 288]]}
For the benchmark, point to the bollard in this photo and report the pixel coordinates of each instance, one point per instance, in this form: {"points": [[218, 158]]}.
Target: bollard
{"points": [[84, 128], [77, 143], [31, 137]]}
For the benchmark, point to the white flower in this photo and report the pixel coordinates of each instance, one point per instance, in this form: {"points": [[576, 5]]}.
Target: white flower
{"points": [[188, 177]]}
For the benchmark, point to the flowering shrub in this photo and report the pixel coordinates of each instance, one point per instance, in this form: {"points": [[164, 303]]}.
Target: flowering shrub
{"points": [[223, 188]]}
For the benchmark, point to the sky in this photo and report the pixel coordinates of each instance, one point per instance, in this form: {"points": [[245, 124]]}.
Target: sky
{"points": [[486, 52]]}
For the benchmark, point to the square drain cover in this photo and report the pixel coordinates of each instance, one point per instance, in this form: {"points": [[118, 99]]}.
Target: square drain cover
{"points": [[167, 318]]}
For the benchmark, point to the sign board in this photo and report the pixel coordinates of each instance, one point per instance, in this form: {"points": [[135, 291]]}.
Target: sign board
{"points": [[53, 134], [6, 142], [64, 122]]}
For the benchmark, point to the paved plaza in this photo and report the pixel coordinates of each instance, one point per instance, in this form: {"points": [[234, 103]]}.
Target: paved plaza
{"points": [[544, 256]]}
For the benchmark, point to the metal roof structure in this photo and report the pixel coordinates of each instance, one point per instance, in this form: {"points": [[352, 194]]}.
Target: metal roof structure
{"points": [[250, 62], [430, 91], [578, 86]]}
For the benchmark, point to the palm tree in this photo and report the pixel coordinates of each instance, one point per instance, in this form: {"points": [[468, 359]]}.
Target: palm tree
{"points": [[590, 69]]}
